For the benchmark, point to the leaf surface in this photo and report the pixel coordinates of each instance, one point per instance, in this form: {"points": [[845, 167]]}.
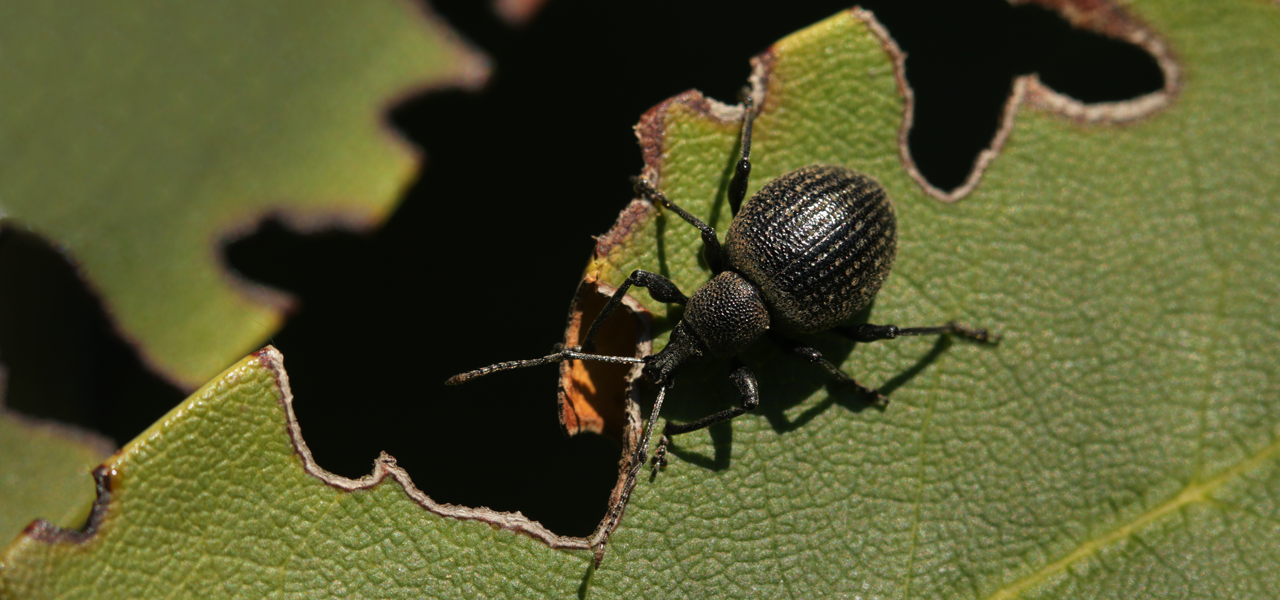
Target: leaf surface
{"points": [[1120, 441], [220, 498]]}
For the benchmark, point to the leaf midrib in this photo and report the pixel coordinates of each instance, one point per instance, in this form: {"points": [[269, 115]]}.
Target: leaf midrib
{"points": [[1192, 493]]}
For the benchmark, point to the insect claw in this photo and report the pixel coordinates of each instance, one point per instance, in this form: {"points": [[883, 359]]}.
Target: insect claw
{"points": [[660, 454], [875, 398], [978, 335]]}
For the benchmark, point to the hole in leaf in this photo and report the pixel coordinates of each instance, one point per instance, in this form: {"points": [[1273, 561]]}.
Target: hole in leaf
{"points": [[962, 58], [593, 395]]}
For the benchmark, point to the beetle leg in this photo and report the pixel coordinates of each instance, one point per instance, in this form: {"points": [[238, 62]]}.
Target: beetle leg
{"points": [[742, 379], [742, 174], [812, 355], [870, 333], [709, 239], [660, 289]]}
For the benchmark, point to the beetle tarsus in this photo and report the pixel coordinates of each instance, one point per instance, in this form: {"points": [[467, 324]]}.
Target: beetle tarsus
{"points": [[659, 460], [977, 335]]}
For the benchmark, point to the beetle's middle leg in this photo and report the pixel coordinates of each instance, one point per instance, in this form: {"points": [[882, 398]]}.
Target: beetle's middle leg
{"points": [[871, 333], [812, 355]]}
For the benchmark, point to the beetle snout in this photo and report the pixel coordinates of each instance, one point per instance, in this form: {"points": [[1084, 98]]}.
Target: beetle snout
{"points": [[652, 370]]}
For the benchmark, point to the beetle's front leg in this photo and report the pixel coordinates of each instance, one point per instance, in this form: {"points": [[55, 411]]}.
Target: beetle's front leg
{"points": [[660, 289]]}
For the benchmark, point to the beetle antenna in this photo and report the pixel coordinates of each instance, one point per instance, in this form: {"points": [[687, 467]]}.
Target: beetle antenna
{"points": [[572, 354], [643, 452], [640, 457]]}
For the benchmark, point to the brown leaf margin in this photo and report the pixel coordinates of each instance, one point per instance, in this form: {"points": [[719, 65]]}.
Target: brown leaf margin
{"points": [[384, 467], [42, 529], [1104, 17], [651, 134]]}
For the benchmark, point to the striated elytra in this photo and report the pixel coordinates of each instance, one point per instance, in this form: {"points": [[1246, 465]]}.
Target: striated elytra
{"points": [[804, 255], [819, 242]]}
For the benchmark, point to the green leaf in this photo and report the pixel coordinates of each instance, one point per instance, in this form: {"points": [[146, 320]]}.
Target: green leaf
{"points": [[46, 472], [137, 137], [1120, 442]]}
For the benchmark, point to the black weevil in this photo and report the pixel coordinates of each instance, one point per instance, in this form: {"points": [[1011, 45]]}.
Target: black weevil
{"points": [[806, 253]]}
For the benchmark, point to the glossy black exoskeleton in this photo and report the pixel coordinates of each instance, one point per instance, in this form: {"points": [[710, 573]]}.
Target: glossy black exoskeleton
{"points": [[804, 255]]}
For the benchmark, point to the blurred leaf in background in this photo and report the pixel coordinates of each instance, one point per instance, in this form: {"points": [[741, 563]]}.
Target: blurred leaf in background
{"points": [[138, 137]]}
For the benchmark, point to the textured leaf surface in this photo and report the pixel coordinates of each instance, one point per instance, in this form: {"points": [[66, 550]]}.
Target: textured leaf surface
{"points": [[137, 136], [1121, 441]]}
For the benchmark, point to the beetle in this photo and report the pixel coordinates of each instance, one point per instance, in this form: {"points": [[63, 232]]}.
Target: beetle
{"points": [[806, 253]]}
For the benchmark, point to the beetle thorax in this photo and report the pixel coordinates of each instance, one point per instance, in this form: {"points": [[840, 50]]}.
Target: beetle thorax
{"points": [[721, 319], [727, 313]]}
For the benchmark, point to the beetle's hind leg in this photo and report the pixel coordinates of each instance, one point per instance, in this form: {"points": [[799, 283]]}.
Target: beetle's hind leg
{"points": [[871, 333]]}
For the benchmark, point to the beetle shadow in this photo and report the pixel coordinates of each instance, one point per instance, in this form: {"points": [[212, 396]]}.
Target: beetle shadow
{"points": [[699, 390], [785, 382], [721, 441], [722, 191], [660, 246], [855, 400]]}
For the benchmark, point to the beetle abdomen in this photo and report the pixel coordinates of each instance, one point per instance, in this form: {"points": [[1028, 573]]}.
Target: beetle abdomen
{"points": [[818, 241]]}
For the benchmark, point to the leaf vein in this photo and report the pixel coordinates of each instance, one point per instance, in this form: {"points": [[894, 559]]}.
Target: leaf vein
{"points": [[1196, 492], [915, 516]]}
